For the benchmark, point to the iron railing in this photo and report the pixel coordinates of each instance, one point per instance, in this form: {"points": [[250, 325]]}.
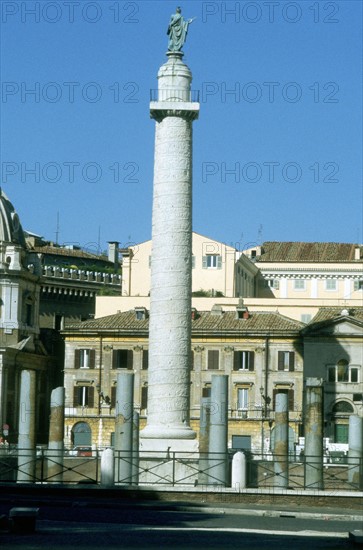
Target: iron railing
{"points": [[176, 94], [173, 469]]}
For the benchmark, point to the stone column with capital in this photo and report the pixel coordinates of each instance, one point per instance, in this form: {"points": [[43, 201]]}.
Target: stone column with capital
{"points": [[171, 262]]}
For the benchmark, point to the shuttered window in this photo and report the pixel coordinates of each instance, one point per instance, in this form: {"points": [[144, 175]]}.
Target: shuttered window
{"points": [[83, 396], [244, 360], [122, 359], [212, 261], [84, 358], [286, 360]]}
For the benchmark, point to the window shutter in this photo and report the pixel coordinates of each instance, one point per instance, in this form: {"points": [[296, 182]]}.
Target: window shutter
{"points": [[90, 396], [92, 358], [204, 262], [77, 357], [145, 359], [213, 359], [291, 399], [130, 359], [114, 358], [236, 360], [219, 262], [113, 396], [76, 396], [291, 361], [144, 397], [280, 360], [251, 363]]}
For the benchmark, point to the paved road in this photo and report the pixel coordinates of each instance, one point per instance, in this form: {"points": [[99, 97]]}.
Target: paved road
{"points": [[81, 527]]}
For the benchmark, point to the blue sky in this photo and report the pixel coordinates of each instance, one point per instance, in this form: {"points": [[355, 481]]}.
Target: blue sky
{"points": [[280, 158]]}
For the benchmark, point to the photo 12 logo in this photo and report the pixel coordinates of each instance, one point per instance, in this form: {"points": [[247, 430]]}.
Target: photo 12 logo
{"points": [[69, 172], [269, 172], [69, 92], [69, 12], [270, 11]]}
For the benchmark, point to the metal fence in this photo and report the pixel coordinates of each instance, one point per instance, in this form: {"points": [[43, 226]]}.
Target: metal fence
{"points": [[178, 469]]}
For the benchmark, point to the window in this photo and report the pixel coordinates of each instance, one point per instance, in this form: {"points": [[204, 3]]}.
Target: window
{"points": [[212, 261], [122, 359], [206, 391], [244, 360], [83, 396], [213, 359], [290, 394], [286, 360], [272, 283], [358, 285], [331, 284], [299, 284], [84, 358], [242, 399], [343, 372]]}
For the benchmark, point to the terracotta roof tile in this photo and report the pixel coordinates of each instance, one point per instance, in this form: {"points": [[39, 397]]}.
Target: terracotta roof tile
{"points": [[205, 322], [308, 252]]}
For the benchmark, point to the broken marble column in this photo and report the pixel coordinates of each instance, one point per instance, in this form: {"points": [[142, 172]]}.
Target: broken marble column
{"points": [[124, 427], [281, 441], [218, 435], [55, 451], [314, 433], [26, 440]]}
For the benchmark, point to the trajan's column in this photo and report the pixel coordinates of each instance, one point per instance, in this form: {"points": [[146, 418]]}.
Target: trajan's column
{"points": [[171, 259]]}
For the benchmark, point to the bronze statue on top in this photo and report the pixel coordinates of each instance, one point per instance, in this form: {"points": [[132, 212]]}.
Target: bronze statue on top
{"points": [[177, 31]]}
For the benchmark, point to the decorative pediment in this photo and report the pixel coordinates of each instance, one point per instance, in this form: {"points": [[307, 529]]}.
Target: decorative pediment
{"points": [[342, 326]]}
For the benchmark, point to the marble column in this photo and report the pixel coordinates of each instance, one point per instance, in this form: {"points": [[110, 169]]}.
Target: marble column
{"points": [[171, 257]]}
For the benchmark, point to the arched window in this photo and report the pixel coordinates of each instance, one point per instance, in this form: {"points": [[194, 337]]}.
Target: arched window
{"points": [[81, 434]]}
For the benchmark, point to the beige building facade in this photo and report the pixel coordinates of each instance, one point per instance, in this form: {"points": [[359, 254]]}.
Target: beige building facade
{"points": [[260, 353], [214, 269]]}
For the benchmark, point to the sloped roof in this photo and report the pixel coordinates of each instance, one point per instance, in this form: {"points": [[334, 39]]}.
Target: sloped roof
{"points": [[60, 251], [308, 252], [330, 313], [205, 322]]}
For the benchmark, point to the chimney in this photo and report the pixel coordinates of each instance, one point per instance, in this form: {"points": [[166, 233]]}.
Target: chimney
{"points": [[113, 252]]}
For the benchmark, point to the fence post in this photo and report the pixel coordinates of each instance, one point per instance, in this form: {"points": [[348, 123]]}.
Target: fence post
{"points": [[355, 465], [107, 468], [239, 471]]}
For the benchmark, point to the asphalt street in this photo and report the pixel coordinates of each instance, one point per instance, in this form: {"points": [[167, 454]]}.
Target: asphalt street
{"points": [[84, 525]]}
